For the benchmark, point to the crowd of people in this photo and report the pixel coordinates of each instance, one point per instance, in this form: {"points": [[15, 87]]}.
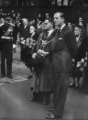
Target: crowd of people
{"points": [[52, 49]]}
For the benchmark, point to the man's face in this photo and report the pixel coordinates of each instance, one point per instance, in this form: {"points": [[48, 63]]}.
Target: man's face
{"points": [[25, 22], [77, 31], [47, 24], [58, 20]]}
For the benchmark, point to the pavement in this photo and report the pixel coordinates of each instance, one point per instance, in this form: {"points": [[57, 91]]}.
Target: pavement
{"points": [[16, 104], [15, 97]]}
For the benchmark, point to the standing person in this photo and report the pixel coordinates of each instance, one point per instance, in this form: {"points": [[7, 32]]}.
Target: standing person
{"points": [[2, 22], [24, 34], [61, 49], [43, 66], [30, 45], [7, 49], [81, 40], [45, 75], [30, 48]]}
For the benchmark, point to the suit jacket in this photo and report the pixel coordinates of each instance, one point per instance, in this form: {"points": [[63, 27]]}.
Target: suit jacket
{"points": [[63, 40], [24, 32], [83, 48]]}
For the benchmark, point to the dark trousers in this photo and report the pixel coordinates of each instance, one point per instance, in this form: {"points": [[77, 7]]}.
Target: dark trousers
{"points": [[22, 57], [60, 93], [6, 59]]}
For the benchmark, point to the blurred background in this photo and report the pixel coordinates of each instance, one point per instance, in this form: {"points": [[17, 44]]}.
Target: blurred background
{"points": [[30, 8]]}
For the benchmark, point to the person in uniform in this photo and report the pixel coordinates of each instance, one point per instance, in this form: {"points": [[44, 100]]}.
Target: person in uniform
{"points": [[7, 49], [2, 21]]}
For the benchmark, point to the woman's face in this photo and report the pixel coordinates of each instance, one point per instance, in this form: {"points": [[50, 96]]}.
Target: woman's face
{"points": [[32, 29]]}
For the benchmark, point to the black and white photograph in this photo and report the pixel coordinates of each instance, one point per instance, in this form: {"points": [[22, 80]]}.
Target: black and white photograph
{"points": [[43, 59]]}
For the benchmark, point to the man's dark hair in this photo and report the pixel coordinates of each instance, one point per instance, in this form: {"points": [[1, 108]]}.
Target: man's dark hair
{"points": [[61, 14]]}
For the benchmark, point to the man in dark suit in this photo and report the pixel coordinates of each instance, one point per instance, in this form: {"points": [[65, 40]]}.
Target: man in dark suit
{"points": [[2, 21], [24, 33], [61, 50]]}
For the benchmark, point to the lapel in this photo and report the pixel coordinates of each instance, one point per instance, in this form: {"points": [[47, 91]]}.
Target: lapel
{"points": [[63, 31]]}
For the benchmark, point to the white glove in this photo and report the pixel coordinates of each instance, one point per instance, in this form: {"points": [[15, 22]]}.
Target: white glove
{"points": [[14, 46], [78, 64], [34, 55]]}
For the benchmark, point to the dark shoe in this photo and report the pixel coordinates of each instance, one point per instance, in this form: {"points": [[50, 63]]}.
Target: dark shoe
{"points": [[10, 76]]}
